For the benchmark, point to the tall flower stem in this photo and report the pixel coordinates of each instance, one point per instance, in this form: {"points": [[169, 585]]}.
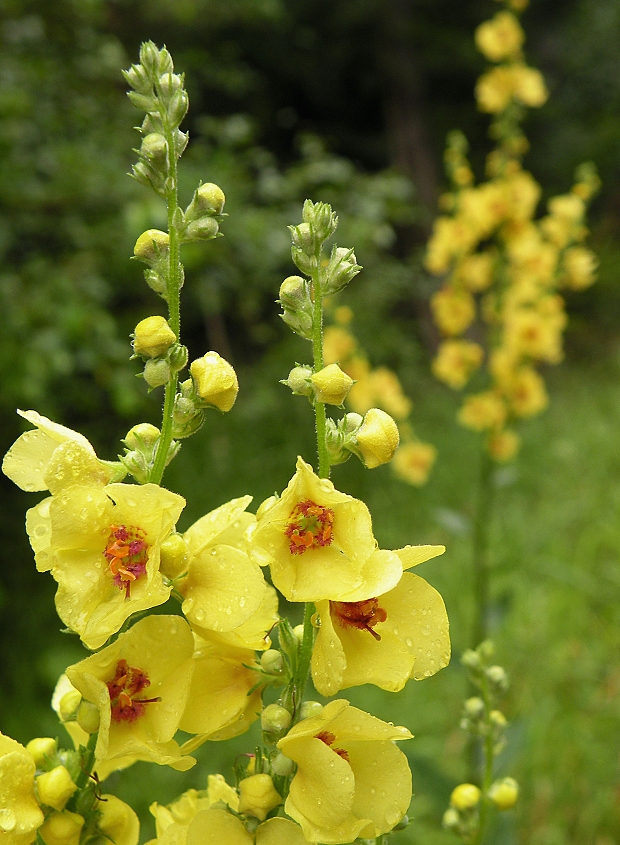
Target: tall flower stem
{"points": [[174, 309], [318, 361], [480, 551], [488, 753]]}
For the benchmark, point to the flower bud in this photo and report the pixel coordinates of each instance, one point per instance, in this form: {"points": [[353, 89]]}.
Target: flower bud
{"points": [[341, 269], [156, 372], [303, 238], [331, 385], [174, 556], [169, 83], [293, 292], [451, 819], [465, 796], [299, 381], [486, 649], [208, 199], [177, 108], [504, 793], [271, 662], [88, 717], [117, 821], [377, 438], [304, 262], [215, 381], [62, 829], [41, 750], [151, 245], [142, 436], [257, 796], [498, 720], [298, 630], [275, 719], [282, 765], [156, 282], [309, 709], [187, 419], [471, 660], [136, 76], [154, 147], [149, 56], [498, 677], [402, 824], [352, 422], [55, 787], [153, 337], [68, 705], [177, 357], [321, 219], [474, 708], [204, 229]]}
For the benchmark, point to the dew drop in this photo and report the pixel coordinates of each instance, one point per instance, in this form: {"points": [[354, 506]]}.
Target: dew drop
{"points": [[315, 620]]}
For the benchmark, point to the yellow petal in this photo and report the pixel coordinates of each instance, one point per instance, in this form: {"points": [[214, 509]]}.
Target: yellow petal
{"points": [[328, 657], [417, 612], [254, 633], [207, 529], [223, 588], [354, 724], [57, 432], [381, 572], [413, 555], [20, 814], [386, 663], [217, 827], [153, 508], [382, 783], [72, 463], [27, 459], [39, 528], [279, 831]]}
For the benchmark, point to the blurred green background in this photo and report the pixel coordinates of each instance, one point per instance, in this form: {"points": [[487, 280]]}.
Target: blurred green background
{"points": [[347, 101]]}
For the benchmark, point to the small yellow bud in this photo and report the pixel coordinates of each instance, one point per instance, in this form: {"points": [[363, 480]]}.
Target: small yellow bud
{"points": [[156, 372], [451, 819], [151, 245], [298, 630], [141, 435], [215, 381], [377, 438], [40, 748], [282, 765], [257, 796], [504, 793], [174, 556], [331, 385], [153, 337], [62, 829], [465, 796], [68, 705], [88, 717], [210, 198], [498, 719], [55, 787], [275, 719]]}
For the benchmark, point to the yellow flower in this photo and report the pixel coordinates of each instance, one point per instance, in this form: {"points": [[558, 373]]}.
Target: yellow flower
{"points": [[529, 86], [351, 779], [215, 381], [503, 445], [500, 38], [338, 344], [377, 438], [476, 271], [536, 332], [37, 457], [579, 265], [483, 207], [455, 362], [331, 385], [413, 462], [172, 821], [105, 544], [151, 245], [62, 828], [526, 393], [258, 796], [504, 793], [454, 310], [140, 685], [117, 821], [388, 393], [319, 543], [20, 815], [522, 192], [384, 640], [223, 588], [482, 411], [216, 827], [219, 704], [465, 796], [495, 89], [451, 238]]}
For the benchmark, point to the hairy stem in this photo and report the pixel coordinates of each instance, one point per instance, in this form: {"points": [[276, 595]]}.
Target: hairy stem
{"points": [[317, 352]]}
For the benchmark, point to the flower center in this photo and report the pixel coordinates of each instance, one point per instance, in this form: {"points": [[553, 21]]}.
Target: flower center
{"points": [[127, 683], [310, 527], [328, 738], [126, 552], [359, 614]]}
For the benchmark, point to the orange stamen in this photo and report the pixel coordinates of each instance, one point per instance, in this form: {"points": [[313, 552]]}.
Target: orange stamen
{"points": [[363, 615]]}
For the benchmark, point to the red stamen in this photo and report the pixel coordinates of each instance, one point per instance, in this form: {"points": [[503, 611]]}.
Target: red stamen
{"points": [[363, 615], [127, 554], [128, 682], [310, 527], [329, 738]]}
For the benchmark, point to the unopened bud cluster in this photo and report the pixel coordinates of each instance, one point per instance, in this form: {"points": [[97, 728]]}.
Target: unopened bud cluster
{"points": [[373, 438]]}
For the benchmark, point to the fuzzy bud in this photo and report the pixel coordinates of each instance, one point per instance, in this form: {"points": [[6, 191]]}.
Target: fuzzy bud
{"points": [[68, 705], [321, 219], [55, 787], [299, 381], [465, 796], [174, 556], [498, 677], [142, 436], [275, 720], [156, 372], [298, 630], [474, 708], [204, 229], [451, 819], [154, 147], [271, 662], [178, 357], [62, 829], [331, 385], [156, 282], [341, 269], [377, 438], [88, 717], [177, 108], [208, 200], [498, 720], [153, 337], [151, 245], [257, 796], [504, 793], [282, 765], [215, 381], [471, 661], [41, 749]]}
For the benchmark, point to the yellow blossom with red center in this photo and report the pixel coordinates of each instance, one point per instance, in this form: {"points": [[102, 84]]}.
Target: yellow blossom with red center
{"points": [[105, 545], [351, 780], [319, 543], [387, 639], [140, 686]]}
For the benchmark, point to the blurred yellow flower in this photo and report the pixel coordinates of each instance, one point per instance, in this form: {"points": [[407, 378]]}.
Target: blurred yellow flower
{"points": [[482, 411], [503, 445], [454, 310], [475, 271], [579, 265], [500, 38], [526, 392], [456, 361], [413, 462], [351, 780], [20, 815]]}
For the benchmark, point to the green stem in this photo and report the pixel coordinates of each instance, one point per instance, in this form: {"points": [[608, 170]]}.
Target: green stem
{"points": [[317, 352], [305, 655], [89, 761], [480, 550], [174, 311], [487, 778]]}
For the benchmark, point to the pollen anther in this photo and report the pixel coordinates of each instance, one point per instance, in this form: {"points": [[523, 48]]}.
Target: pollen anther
{"points": [[311, 527]]}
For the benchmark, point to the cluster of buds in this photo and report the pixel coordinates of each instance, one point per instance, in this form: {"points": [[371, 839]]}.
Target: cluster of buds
{"points": [[373, 438], [212, 384], [154, 341], [486, 725], [141, 443]]}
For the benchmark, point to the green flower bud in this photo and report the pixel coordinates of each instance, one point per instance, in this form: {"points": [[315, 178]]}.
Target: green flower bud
{"points": [[282, 765], [142, 437], [498, 720], [204, 229], [451, 819], [474, 708], [145, 174], [156, 282], [41, 749], [152, 245], [174, 556], [275, 720], [149, 56], [304, 262], [271, 662], [208, 200], [504, 793], [298, 631], [169, 83], [215, 381], [178, 357], [331, 385], [177, 109], [137, 77], [154, 147], [153, 337], [309, 709], [156, 372], [68, 705], [294, 292], [498, 677], [63, 828], [88, 717], [303, 238], [55, 787], [402, 824], [320, 218], [465, 796], [377, 438], [471, 660], [352, 422], [299, 381], [137, 465], [341, 269]]}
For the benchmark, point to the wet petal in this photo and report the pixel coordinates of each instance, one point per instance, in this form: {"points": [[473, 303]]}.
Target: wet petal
{"points": [[39, 528], [328, 656], [382, 783], [207, 529], [216, 827], [279, 831], [413, 555]]}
